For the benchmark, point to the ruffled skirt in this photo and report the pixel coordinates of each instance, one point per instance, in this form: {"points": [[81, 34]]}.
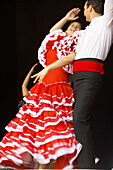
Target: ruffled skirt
{"points": [[43, 127]]}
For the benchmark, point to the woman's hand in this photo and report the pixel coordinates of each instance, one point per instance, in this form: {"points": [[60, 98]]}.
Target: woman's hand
{"points": [[40, 75], [72, 15], [33, 67]]}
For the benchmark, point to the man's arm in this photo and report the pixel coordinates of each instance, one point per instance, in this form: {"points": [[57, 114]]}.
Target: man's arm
{"points": [[108, 12], [70, 16], [57, 64]]}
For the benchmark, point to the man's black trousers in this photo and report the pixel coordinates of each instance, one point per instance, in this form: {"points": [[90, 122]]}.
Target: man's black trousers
{"points": [[86, 85]]}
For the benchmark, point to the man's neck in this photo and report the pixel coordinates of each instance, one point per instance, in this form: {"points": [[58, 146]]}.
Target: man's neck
{"points": [[94, 15]]}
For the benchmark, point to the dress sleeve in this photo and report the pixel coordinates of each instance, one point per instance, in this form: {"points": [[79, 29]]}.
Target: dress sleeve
{"points": [[67, 46], [48, 43], [108, 12]]}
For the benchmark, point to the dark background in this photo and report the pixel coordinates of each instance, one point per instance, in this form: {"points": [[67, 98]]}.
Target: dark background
{"points": [[24, 24]]}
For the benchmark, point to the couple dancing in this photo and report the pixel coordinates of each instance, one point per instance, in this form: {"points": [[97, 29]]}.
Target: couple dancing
{"points": [[42, 133]]}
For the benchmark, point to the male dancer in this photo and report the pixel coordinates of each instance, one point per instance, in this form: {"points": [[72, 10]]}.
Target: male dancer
{"points": [[93, 47]]}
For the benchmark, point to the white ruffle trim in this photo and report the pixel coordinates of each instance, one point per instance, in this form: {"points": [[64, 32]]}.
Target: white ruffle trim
{"points": [[43, 48], [58, 41]]}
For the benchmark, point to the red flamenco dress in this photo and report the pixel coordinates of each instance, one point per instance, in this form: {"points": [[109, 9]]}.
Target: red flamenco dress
{"points": [[44, 125]]}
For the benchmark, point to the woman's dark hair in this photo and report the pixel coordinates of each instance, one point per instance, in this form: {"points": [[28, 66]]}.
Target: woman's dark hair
{"points": [[98, 5], [69, 23], [72, 22]]}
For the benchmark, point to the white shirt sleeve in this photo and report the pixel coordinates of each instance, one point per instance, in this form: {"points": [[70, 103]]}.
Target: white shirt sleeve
{"points": [[108, 12]]}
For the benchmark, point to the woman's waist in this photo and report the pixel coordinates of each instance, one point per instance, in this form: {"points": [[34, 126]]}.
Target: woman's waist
{"points": [[56, 75], [47, 81]]}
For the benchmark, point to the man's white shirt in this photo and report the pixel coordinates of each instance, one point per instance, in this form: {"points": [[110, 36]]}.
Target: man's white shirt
{"points": [[95, 41]]}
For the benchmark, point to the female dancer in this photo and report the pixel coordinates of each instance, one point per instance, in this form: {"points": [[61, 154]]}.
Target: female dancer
{"points": [[43, 130]]}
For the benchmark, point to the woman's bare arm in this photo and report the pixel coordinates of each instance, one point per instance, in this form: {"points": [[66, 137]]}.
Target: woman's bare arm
{"points": [[70, 16], [57, 64], [26, 81]]}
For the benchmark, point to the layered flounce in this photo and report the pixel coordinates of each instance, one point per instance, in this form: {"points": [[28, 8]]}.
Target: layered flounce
{"points": [[43, 127]]}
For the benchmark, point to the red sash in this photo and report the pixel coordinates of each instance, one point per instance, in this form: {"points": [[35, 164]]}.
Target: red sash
{"points": [[86, 65]]}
